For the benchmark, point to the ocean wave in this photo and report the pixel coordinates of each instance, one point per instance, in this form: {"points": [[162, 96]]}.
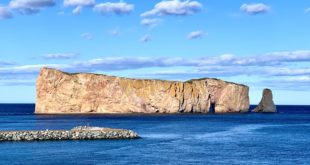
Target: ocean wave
{"points": [[231, 132], [162, 136], [226, 134]]}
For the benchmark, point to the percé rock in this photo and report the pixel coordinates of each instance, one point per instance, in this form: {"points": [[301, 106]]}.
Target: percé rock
{"points": [[60, 92], [266, 104], [77, 133]]}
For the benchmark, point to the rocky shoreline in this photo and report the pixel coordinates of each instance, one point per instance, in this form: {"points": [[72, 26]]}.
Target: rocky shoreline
{"points": [[77, 133]]}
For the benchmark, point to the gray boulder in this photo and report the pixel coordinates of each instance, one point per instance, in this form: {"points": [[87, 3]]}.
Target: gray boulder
{"points": [[266, 104]]}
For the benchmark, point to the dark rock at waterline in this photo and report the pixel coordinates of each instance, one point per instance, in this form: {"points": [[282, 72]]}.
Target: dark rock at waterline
{"points": [[77, 133], [266, 104]]}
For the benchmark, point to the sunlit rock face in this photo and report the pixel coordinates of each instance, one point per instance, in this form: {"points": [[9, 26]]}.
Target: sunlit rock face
{"points": [[266, 104], [60, 92]]}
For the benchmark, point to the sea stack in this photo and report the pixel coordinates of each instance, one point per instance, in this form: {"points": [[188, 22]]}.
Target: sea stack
{"points": [[61, 92], [266, 104]]}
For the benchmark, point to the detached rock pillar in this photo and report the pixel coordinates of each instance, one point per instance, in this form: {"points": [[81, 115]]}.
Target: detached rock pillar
{"points": [[266, 104]]}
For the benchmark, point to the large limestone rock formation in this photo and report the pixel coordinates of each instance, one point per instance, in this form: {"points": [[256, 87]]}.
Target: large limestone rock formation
{"points": [[60, 92], [266, 104]]}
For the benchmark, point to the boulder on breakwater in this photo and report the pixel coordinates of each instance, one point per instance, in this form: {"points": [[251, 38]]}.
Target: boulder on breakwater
{"points": [[77, 133]]}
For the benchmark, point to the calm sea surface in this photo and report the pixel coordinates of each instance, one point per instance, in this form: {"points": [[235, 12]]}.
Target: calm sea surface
{"points": [[282, 138]]}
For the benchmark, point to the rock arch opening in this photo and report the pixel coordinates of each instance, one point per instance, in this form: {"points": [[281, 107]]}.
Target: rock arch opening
{"points": [[212, 108]]}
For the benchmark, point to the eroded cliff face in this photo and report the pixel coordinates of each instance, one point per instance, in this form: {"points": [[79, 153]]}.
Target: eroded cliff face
{"points": [[60, 92]]}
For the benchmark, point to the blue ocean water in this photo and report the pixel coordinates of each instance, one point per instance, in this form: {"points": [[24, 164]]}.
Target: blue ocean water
{"points": [[281, 138]]}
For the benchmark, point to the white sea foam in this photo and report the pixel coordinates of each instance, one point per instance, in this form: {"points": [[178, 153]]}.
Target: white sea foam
{"points": [[161, 136], [230, 133]]}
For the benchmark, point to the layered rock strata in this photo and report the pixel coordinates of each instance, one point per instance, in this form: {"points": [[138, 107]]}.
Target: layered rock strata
{"points": [[266, 104], [78, 133], [60, 92]]}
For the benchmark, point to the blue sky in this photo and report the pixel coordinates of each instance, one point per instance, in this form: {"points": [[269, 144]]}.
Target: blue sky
{"points": [[257, 43]]}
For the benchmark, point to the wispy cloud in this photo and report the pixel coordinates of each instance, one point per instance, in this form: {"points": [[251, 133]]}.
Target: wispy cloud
{"points": [[30, 6], [195, 34], [78, 4], [276, 59], [87, 36], [289, 71], [4, 63], [145, 38], [151, 22], [77, 10], [302, 79], [29, 82], [307, 10], [118, 8], [26, 69], [60, 56], [5, 13], [255, 8], [268, 59], [114, 32], [174, 7], [270, 66], [229, 71], [295, 83]]}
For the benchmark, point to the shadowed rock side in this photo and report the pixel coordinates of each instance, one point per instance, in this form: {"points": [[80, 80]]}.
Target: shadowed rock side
{"points": [[266, 104], [60, 92]]}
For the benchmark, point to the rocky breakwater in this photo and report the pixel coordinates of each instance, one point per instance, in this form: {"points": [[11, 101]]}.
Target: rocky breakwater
{"points": [[61, 92], [77, 133]]}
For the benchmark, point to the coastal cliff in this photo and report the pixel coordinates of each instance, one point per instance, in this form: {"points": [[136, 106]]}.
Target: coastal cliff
{"points": [[60, 92]]}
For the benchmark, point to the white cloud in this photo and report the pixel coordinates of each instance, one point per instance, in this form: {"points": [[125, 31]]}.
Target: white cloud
{"points": [[295, 83], [30, 6], [77, 10], [87, 36], [307, 10], [182, 74], [80, 3], [118, 8], [174, 7], [304, 79], [268, 61], [286, 56], [255, 8], [279, 66], [60, 56], [151, 22], [289, 71], [27, 69], [195, 34], [5, 13], [145, 38]]}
